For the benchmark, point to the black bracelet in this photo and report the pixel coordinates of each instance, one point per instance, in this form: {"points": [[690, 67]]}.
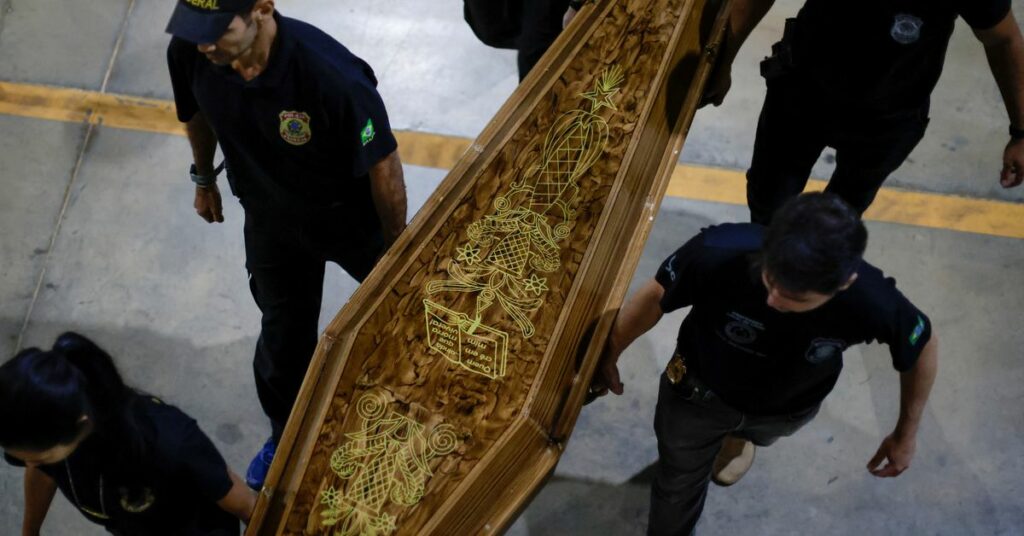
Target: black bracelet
{"points": [[576, 4], [205, 181], [1016, 133]]}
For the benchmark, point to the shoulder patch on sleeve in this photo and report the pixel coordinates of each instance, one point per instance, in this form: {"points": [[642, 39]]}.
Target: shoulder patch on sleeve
{"points": [[367, 134], [915, 335], [670, 268]]}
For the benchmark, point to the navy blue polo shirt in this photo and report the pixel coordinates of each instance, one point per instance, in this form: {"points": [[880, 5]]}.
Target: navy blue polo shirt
{"points": [[171, 491], [303, 134], [765, 362]]}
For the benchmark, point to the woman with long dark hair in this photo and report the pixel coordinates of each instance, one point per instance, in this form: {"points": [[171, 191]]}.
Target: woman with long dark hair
{"points": [[127, 461]]}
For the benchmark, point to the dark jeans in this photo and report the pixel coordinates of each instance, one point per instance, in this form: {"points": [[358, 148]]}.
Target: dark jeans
{"points": [[285, 257], [541, 24], [690, 426], [796, 124]]}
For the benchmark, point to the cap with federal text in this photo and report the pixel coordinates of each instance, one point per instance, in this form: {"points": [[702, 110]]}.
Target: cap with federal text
{"points": [[205, 21]]}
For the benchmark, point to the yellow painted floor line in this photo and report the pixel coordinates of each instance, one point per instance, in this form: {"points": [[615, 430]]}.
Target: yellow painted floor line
{"points": [[892, 205], [699, 183], [76, 105]]}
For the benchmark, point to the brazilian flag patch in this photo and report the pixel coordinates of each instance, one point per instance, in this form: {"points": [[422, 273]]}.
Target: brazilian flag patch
{"points": [[368, 133], [918, 330]]}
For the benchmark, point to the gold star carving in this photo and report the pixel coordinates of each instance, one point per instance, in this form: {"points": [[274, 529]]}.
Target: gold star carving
{"points": [[535, 284], [331, 498], [604, 88], [385, 523], [469, 254]]}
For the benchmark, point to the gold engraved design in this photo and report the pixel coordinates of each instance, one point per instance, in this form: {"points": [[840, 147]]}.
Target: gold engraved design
{"points": [[507, 248], [465, 342], [388, 460]]}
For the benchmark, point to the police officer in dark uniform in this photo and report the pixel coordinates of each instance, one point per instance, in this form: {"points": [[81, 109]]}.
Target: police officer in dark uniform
{"points": [[128, 462], [310, 156], [772, 312], [856, 75]]}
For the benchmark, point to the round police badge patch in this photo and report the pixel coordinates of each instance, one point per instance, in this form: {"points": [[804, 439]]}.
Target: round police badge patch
{"points": [[822, 350], [906, 29], [740, 333], [295, 127], [138, 504]]}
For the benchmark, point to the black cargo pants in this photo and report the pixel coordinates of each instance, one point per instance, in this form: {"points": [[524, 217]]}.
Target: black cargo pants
{"points": [[285, 258], [541, 24], [796, 124]]}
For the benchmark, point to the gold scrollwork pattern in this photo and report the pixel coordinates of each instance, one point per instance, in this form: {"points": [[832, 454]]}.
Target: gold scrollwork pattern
{"points": [[386, 461], [510, 250]]}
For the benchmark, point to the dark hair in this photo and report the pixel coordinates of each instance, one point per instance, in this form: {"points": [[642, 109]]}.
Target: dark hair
{"points": [[44, 394], [814, 243], [246, 12]]}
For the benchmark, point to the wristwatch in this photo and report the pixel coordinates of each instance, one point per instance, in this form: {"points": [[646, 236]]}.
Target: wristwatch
{"points": [[1016, 133], [204, 181]]}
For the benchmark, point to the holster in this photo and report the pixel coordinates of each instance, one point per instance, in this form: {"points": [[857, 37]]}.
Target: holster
{"points": [[781, 60]]}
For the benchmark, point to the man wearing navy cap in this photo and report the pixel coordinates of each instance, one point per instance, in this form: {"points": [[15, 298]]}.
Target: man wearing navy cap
{"points": [[309, 154]]}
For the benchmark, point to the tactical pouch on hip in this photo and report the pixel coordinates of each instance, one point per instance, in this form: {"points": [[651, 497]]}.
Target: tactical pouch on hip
{"points": [[781, 60]]}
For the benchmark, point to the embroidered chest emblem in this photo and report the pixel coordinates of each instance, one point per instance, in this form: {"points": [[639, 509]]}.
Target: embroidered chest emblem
{"points": [[139, 504], [295, 127], [822, 350], [906, 29], [742, 330]]}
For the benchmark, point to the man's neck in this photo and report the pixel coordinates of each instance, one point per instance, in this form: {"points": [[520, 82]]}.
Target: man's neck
{"points": [[254, 61]]}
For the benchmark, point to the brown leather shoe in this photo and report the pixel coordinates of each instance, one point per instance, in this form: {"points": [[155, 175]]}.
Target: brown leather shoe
{"points": [[733, 461]]}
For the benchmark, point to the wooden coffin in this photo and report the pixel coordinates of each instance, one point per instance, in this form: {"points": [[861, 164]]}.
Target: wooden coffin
{"points": [[440, 397]]}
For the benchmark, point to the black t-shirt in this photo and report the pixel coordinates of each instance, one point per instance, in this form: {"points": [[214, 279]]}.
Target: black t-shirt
{"points": [[303, 134], [882, 55], [174, 493], [765, 362]]}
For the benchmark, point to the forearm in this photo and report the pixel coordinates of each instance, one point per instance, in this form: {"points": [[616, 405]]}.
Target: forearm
{"points": [[1004, 49], [387, 186], [1008, 70], [744, 17], [240, 500], [39, 492], [636, 317], [204, 143], [915, 386]]}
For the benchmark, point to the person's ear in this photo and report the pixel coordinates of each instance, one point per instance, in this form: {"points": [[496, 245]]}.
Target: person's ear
{"points": [[853, 277], [264, 9]]}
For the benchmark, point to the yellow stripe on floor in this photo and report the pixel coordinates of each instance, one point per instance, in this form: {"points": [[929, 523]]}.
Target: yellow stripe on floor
{"points": [[698, 183], [892, 205], [76, 105]]}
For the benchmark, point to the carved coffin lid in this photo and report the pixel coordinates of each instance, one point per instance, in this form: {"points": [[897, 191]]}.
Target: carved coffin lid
{"points": [[439, 398]]}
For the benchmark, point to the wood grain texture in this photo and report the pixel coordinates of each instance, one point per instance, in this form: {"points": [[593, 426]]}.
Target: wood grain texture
{"points": [[526, 245]]}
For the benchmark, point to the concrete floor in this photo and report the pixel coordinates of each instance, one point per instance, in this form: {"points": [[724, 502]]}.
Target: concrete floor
{"points": [[98, 235]]}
